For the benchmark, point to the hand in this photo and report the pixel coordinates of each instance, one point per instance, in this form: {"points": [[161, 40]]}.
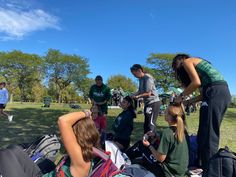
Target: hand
{"points": [[150, 134], [87, 113], [146, 142]]}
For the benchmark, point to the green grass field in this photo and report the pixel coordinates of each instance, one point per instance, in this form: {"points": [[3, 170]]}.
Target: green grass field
{"points": [[31, 120]]}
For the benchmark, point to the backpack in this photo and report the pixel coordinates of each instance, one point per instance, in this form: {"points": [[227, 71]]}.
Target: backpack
{"points": [[46, 146], [193, 154], [120, 159], [105, 167], [222, 164]]}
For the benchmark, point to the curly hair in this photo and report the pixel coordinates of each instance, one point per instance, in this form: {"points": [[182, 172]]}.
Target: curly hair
{"points": [[87, 137]]}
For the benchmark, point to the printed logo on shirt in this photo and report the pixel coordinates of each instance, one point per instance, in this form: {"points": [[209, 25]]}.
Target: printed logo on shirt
{"points": [[98, 94]]}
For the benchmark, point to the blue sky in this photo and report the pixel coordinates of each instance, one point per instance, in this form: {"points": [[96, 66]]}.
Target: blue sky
{"points": [[114, 34]]}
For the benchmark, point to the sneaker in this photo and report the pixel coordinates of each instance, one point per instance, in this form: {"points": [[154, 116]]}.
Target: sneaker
{"points": [[10, 118]]}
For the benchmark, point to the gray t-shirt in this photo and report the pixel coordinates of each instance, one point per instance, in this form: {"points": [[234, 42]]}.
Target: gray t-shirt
{"points": [[146, 84]]}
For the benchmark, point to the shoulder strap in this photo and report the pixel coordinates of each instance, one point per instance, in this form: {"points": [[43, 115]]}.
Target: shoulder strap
{"points": [[100, 153]]}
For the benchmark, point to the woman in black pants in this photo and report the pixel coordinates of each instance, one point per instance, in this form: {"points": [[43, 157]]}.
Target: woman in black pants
{"points": [[195, 73]]}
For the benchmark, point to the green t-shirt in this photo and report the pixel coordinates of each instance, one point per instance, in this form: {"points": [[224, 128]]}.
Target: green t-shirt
{"points": [[208, 74], [65, 168], [100, 94], [177, 158]]}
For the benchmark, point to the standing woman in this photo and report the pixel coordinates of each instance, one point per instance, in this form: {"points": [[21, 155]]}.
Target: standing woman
{"points": [[195, 73], [147, 91]]}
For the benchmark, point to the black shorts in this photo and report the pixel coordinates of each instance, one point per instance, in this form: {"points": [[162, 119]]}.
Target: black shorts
{"points": [[2, 106]]}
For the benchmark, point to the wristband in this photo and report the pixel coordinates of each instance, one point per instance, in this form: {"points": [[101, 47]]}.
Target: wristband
{"points": [[87, 113]]}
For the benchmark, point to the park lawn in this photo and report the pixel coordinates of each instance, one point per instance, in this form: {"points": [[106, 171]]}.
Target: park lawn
{"points": [[31, 120]]}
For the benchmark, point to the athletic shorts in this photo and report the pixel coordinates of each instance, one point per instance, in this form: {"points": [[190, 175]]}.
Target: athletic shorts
{"points": [[2, 106]]}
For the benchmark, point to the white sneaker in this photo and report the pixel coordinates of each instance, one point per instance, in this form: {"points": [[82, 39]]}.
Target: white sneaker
{"points": [[10, 118]]}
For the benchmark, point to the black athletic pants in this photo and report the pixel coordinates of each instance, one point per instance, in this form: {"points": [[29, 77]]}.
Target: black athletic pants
{"points": [[216, 99], [150, 116], [14, 162]]}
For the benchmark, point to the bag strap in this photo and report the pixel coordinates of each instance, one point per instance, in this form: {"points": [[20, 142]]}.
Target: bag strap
{"points": [[103, 155], [106, 168], [62, 162]]}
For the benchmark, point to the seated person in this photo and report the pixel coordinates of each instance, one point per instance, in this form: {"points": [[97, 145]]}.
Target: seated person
{"points": [[98, 118], [78, 134], [123, 124], [171, 157]]}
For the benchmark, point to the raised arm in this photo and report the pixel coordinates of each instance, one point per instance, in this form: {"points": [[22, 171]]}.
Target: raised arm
{"points": [[65, 123]]}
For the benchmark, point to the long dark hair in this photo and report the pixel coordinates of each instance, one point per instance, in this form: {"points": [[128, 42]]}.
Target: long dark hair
{"points": [[131, 106], [180, 73]]}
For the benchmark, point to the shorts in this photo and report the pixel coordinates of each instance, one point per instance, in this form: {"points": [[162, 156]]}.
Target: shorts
{"points": [[2, 106], [100, 123]]}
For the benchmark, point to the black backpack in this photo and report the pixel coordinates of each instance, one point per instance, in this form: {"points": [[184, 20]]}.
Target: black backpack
{"points": [[222, 164]]}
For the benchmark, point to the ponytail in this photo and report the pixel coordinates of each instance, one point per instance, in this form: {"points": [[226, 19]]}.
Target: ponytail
{"points": [[180, 129]]}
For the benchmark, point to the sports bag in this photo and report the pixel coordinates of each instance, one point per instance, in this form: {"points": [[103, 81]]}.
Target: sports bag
{"points": [[222, 164], [105, 167], [193, 154], [120, 159], [46, 146]]}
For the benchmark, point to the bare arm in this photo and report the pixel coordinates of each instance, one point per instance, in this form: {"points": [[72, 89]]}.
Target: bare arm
{"points": [[189, 66], [73, 149], [160, 157]]}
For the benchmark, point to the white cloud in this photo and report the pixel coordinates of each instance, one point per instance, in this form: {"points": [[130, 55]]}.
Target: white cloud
{"points": [[17, 23]]}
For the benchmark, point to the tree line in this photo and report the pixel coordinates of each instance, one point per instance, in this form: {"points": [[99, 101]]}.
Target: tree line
{"points": [[64, 77]]}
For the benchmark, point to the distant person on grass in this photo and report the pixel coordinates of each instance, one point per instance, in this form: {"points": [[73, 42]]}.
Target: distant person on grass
{"points": [[147, 91], [4, 97], [78, 134], [194, 73]]}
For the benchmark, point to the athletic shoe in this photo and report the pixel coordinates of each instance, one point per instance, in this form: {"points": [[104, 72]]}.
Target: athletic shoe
{"points": [[10, 118]]}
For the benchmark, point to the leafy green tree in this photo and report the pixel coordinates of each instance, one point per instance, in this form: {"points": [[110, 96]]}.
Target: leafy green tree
{"points": [[21, 70], [124, 82], [64, 69], [161, 70], [84, 87]]}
